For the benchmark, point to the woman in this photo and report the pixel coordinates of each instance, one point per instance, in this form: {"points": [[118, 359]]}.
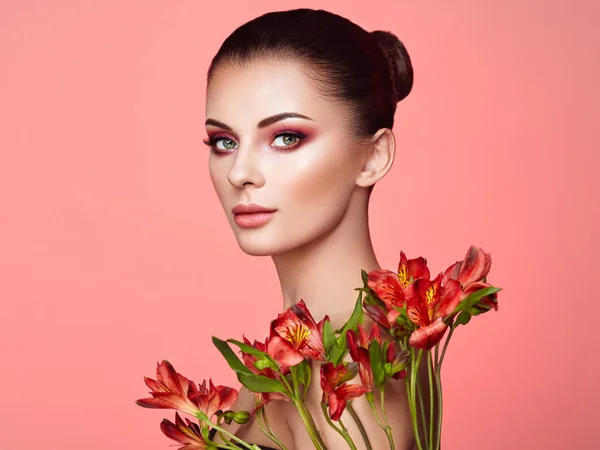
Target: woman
{"points": [[300, 105]]}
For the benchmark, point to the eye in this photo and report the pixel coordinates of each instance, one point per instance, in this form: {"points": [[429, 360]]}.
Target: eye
{"points": [[227, 144], [220, 144], [287, 139]]}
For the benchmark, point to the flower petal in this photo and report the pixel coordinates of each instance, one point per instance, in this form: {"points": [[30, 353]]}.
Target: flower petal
{"points": [[449, 298], [426, 337], [283, 352], [475, 266], [386, 285], [415, 268]]}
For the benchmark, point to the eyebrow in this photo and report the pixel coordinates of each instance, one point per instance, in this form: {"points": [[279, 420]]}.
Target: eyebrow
{"points": [[264, 122]]}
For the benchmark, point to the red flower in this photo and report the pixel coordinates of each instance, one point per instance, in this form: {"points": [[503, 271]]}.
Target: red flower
{"points": [[170, 390], [283, 353], [428, 303], [397, 360], [336, 390], [174, 391], [189, 434], [277, 348], [297, 326], [213, 399], [470, 272], [358, 346], [389, 286]]}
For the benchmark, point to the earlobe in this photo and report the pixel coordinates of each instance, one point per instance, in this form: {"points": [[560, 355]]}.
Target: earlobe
{"points": [[380, 157]]}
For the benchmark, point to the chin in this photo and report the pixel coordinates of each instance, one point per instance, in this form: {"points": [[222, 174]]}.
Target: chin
{"points": [[266, 242], [255, 243]]}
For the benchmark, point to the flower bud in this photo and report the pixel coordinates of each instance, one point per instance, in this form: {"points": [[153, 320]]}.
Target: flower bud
{"points": [[240, 417]]}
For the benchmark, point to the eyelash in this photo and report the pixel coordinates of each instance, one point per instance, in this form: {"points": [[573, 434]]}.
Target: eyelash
{"points": [[212, 141]]}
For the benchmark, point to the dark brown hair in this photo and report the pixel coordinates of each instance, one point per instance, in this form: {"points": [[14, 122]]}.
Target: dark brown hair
{"points": [[371, 71]]}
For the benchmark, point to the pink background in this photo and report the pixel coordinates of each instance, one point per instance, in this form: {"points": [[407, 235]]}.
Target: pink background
{"points": [[115, 253]]}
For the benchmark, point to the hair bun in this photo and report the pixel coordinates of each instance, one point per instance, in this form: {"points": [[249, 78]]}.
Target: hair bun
{"points": [[401, 70]]}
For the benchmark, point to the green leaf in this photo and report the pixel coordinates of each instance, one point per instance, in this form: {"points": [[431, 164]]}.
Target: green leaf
{"points": [[462, 319], [365, 278], [308, 370], [337, 353], [328, 337], [259, 383], [376, 364], [478, 309], [300, 373], [355, 319], [249, 349], [231, 358], [373, 300], [473, 298]]}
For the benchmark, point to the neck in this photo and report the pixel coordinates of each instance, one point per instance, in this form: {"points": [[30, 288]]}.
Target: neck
{"points": [[325, 271]]}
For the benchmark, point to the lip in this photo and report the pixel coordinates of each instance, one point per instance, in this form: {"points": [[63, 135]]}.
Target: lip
{"points": [[251, 215], [250, 208]]}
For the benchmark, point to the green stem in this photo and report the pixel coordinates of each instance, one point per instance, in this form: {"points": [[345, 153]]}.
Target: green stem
{"points": [[431, 396], [309, 423], [347, 435], [295, 382], [445, 346], [341, 431], [231, 436], [379, 422], [266, 428], [438, 384], [382, 401], [422, 407], [360, 425], [388, 429], [412, 393]]}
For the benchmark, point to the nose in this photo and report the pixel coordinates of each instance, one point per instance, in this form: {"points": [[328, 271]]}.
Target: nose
{"points": [[246, 168]]}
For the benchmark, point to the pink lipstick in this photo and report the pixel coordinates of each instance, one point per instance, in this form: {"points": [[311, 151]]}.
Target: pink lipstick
{"points": [[252, 215]]}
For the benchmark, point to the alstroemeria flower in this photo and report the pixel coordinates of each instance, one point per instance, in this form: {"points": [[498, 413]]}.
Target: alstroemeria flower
{"points": [[398, 361], [470, 272], [358, 346], [336, 390], [428, 303], [297, 326], [282, 351], [189, 434], [170, 390], [213, 399], [389, 286]]}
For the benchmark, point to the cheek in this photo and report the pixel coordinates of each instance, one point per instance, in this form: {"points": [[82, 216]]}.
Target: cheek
{"points": [[318, 186], [218, 175]]}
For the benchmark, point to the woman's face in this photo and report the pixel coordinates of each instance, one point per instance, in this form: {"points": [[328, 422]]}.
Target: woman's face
{"points": [[303, 168]]}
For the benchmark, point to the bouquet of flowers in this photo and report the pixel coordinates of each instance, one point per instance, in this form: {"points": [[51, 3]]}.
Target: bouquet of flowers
{"points": [[414, 317]]}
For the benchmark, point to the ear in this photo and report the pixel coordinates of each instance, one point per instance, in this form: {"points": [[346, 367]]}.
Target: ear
{"points": [[379, 158]]}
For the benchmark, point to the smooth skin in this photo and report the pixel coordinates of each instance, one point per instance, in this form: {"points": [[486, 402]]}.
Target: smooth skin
{"points": [[319, 236]]}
